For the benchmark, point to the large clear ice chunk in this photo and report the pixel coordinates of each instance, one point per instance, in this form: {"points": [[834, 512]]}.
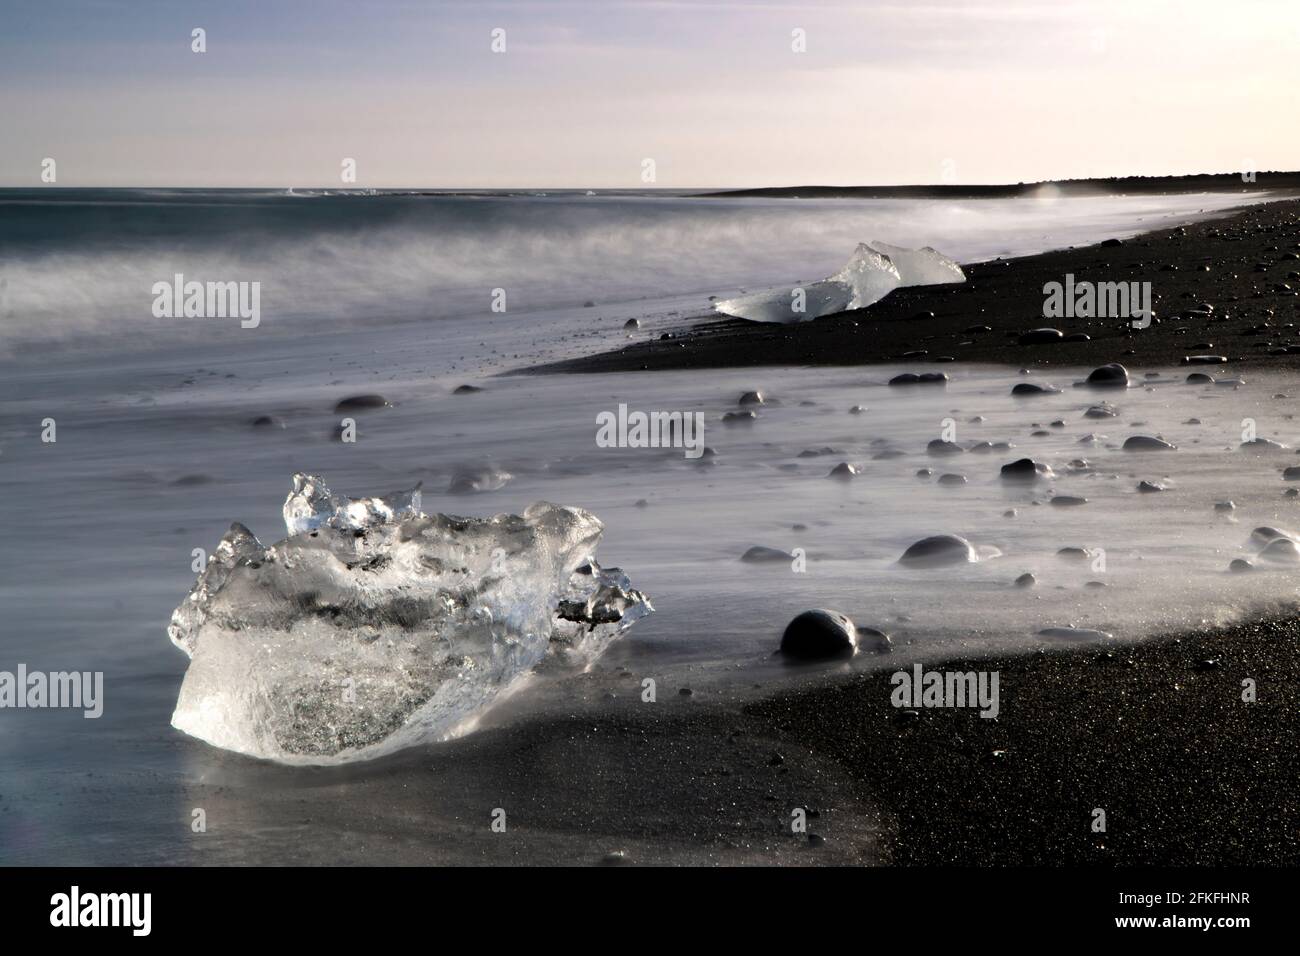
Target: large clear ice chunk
{"points": [[373, 627], [872, 273]]}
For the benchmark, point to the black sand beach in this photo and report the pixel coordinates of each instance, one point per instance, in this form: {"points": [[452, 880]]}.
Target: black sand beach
{"points": [[1245, 265], [1157, 735]]}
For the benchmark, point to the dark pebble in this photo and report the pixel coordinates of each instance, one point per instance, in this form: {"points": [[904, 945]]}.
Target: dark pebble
{"points": [[358, 403], [819, 634]]}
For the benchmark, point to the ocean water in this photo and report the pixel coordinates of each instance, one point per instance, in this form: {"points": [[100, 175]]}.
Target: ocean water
{"points": [[77, 265], [156, 455]]}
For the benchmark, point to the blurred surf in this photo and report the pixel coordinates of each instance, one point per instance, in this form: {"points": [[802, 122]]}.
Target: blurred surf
{"points": [[77, 265]]}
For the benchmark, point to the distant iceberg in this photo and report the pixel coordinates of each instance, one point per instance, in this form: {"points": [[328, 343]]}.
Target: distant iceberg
{"points": [[874, 270]]}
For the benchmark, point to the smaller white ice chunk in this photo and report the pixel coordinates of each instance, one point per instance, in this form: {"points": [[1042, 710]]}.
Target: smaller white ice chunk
{"points": [[921, 266], [783, 305], [871, 274], [866, 278]]}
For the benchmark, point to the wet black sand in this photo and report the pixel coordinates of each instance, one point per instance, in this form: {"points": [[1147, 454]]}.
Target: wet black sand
{"points": [[1156, 734], [684, 781], [1214, 262]]}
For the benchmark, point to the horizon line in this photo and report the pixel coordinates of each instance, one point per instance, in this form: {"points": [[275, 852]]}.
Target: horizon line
{"points": [[355, 187]]}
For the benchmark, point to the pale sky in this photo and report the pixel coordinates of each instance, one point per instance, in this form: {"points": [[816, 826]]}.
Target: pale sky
{"points": [[713, 93]]}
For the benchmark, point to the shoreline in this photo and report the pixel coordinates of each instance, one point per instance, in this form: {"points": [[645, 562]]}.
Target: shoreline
{"points": [[1213, 261]]}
